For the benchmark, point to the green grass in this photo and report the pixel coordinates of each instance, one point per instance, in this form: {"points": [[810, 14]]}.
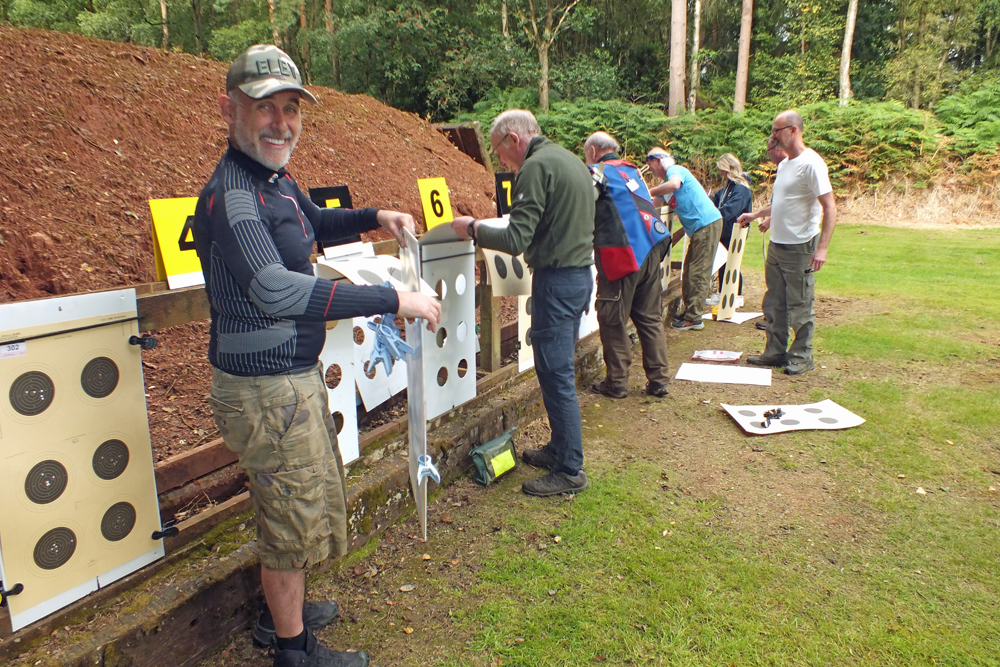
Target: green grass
{"points": [[935, 293], [919, 584]]}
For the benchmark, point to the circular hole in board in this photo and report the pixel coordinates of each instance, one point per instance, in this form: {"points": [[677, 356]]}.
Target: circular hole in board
{"points": [[334, 375], [463, 368], [527, 336], [518, 267], [442, 290], [370, 277], [395, 273], [747, 413], [359, 335], [338, 422], [460, 284], [828, 420], [790, 422], [462, 331], [370, 370], [813, 411], [442, 336], [501, 266], [442, 376], [527, 307]]}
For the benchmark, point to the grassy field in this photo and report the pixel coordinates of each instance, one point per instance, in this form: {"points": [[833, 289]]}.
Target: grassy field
{"points": [[698, 545]]}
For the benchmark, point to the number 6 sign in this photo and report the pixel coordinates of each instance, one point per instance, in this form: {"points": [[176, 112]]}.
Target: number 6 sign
{"points": [[435, 200]]}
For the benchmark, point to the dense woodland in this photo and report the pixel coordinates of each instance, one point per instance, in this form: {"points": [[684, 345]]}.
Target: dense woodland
{"points": [[915, 92]]}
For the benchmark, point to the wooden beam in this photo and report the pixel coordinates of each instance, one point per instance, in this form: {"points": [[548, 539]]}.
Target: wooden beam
{"points": [[180, 469], [489, 325], [158, 310]]}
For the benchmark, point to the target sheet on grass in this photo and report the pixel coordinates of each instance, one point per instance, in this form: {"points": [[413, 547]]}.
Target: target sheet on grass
{"points": [[724, 374], [825, 415]]}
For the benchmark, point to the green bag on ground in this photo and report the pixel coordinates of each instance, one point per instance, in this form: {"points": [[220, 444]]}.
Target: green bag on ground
{"points": [[494, 458]]}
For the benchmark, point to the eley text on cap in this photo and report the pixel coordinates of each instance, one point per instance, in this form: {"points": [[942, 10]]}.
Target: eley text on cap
{"points": [[264, 70]]}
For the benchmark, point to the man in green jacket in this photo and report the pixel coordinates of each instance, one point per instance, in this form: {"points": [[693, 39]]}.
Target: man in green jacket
{"points": [[552, 223]]}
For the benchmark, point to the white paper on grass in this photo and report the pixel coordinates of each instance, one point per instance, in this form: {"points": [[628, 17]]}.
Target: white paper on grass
{"points": [[724, 374], [737, 318], [825, 415], [716, 355]]}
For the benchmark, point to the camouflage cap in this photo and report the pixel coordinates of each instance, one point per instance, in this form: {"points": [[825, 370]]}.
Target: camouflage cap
{"points": [[264, 70]]}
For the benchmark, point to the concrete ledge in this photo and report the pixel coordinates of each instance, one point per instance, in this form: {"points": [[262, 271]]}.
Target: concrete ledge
{"points": [[187, 609]]}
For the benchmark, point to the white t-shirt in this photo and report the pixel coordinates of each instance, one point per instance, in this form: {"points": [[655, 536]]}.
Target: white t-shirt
{"points": [[795, 210]]}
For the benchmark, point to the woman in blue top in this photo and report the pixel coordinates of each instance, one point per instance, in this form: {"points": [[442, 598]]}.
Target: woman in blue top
{"points": [[732, 199]]}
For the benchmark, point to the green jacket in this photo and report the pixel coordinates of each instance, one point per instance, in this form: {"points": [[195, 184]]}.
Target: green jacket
{"points": [[552, 210]]}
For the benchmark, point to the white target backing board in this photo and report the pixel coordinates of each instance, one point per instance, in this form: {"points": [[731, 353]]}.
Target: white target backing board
{"points": [[825, 415], [338, 369], [509, 276], [588, 320], [449, 355], [731, 278], [724, 374], [668, 220], [525, 353], [76, 480]]}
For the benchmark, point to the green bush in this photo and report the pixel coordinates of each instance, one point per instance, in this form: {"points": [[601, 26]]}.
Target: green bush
{"points": [[972, 117]]}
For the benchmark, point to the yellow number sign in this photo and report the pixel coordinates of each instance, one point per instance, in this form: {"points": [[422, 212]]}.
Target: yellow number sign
{"points": [[173, 242], [435, 200]]}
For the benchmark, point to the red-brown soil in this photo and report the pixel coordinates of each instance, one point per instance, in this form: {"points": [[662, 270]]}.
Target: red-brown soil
{"points": [[94, 129]]}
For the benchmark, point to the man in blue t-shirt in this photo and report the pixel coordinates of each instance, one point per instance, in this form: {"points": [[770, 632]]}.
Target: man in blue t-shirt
{"points": [[702, 223]]}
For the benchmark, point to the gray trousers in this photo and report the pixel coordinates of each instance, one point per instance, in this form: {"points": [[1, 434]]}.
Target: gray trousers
{"points": [[789, 300], [696, 285], [636, 296]]}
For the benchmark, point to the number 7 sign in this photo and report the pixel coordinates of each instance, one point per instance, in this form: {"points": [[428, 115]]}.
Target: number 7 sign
{"points": [[435, 201]]}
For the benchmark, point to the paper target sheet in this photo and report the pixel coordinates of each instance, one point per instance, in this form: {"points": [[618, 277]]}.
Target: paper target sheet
{"points": [[724, 374], [825, 415]]}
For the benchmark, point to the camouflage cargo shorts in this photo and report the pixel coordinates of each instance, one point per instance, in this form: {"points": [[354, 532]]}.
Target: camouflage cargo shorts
{"points": [[280, 427]]}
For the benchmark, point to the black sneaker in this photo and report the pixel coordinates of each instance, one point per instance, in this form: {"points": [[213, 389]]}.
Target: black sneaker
{"points": [[317, 655], [603, 389], [315, 615], [761, 324], [540, 458], [555, 483], [656, 389], [761, 360]]}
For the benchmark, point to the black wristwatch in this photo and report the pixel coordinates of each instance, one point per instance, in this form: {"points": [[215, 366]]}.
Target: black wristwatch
{"points": [[471, 231]]}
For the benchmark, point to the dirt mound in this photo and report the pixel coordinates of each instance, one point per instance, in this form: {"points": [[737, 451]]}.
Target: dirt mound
{"points": [[94, 129]]}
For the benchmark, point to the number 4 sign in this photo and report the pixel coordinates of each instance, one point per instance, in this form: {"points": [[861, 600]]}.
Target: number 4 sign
{"points": [[435, 200]]}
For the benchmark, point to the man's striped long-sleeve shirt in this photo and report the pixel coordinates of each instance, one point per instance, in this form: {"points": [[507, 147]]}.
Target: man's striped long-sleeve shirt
{"points": [[255, 231]]}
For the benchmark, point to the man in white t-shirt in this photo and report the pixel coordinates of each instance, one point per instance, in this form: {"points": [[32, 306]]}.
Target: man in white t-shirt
{"points": [[802, 215]]}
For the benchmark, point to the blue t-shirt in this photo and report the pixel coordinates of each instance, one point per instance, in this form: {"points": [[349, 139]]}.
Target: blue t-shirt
{"points": [[690, 201]]}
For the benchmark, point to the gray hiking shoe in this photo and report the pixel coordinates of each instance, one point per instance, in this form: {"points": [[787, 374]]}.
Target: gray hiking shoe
{"points": [[761, 360], [540, 458], [315, 615], [555, 483], [317, 655]]}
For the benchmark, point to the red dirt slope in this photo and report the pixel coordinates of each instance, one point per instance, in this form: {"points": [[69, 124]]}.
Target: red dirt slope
{"points": [[93, 129]]}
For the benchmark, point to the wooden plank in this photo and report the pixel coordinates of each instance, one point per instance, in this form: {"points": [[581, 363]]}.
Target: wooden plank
{"points": [[489, 325], [196, 526], [468, 138], [180, 469], [158, 310]]}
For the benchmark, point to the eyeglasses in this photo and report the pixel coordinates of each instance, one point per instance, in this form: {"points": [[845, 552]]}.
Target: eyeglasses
{"points": [[499, 143], [775, 130]]}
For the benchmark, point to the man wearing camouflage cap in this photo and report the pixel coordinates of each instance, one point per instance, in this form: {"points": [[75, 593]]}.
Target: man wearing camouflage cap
{"points": [[255, 231]]}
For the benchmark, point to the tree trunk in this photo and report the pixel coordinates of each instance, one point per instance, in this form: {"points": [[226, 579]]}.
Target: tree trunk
{"points": [[304, 38], [921, 24], [678, 44], [505, 28], [989, 42], [196, 15], [332, 29], [695, 68], [163, 13], [543, 78], [274, 23], [743, 63], [845, 54]]}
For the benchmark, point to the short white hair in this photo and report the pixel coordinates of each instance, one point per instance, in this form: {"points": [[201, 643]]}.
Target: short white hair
{"points": [[520, 121], [601, 141]]}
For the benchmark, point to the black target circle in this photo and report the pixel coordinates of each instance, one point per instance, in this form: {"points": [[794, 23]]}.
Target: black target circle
{"points": [[99, 377], [32, 393], [45, 482], [55, 548], [118, 522], [110, 459]]}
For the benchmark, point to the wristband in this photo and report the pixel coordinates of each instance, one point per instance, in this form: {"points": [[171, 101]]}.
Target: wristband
{"points": [[471, 231]]}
